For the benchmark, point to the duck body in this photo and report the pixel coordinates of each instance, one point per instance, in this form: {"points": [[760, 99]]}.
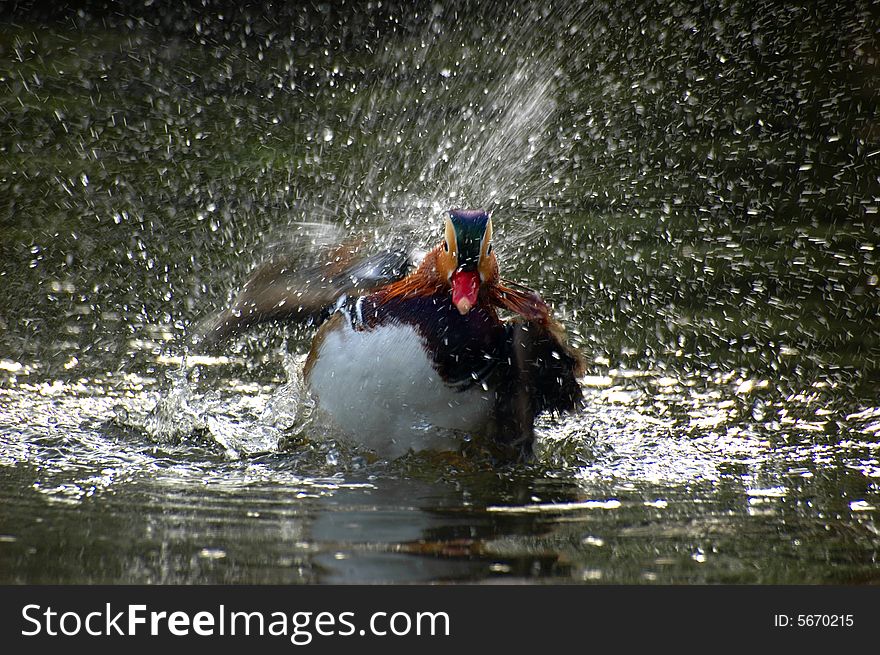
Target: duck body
{"points": [[413, 362], [382, 388]]}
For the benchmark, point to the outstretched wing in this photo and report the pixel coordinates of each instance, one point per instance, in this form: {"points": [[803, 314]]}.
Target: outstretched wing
{"points": [[282, 289]]}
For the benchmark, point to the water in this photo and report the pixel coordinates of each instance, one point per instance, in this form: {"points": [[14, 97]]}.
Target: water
{"points": [[694, 190]]}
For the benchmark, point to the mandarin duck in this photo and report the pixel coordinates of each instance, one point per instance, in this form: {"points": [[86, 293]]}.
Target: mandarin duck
{"points": [[412, 357]]}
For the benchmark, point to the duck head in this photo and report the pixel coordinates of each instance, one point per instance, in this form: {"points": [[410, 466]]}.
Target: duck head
{"points": [[466, 259]]}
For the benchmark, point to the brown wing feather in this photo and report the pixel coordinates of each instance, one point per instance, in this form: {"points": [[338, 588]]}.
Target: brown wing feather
{"points": [[543, 370], [283, 289], [522, 301]]}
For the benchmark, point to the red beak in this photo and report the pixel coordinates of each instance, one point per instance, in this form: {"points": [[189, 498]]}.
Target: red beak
{"points": [[465, 287]]}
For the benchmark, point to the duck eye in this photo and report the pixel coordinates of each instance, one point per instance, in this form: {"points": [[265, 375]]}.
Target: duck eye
{"points": [[489, 249], [445, 246]]}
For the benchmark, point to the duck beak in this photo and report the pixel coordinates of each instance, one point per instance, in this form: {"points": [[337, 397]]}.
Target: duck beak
{"points": [[465, 287]]}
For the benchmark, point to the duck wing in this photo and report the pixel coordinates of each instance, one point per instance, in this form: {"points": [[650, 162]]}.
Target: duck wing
{"points": [[542, 372], [283, 289]]}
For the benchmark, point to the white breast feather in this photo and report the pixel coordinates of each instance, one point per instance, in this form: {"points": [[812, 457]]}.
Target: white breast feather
{"points": [[380, 387]]}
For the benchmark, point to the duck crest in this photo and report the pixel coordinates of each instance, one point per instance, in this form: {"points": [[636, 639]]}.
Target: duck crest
{"points": [[470, 228]]}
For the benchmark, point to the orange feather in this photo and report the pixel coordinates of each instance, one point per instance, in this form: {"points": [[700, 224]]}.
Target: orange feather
{"points": [[424, 281]]}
